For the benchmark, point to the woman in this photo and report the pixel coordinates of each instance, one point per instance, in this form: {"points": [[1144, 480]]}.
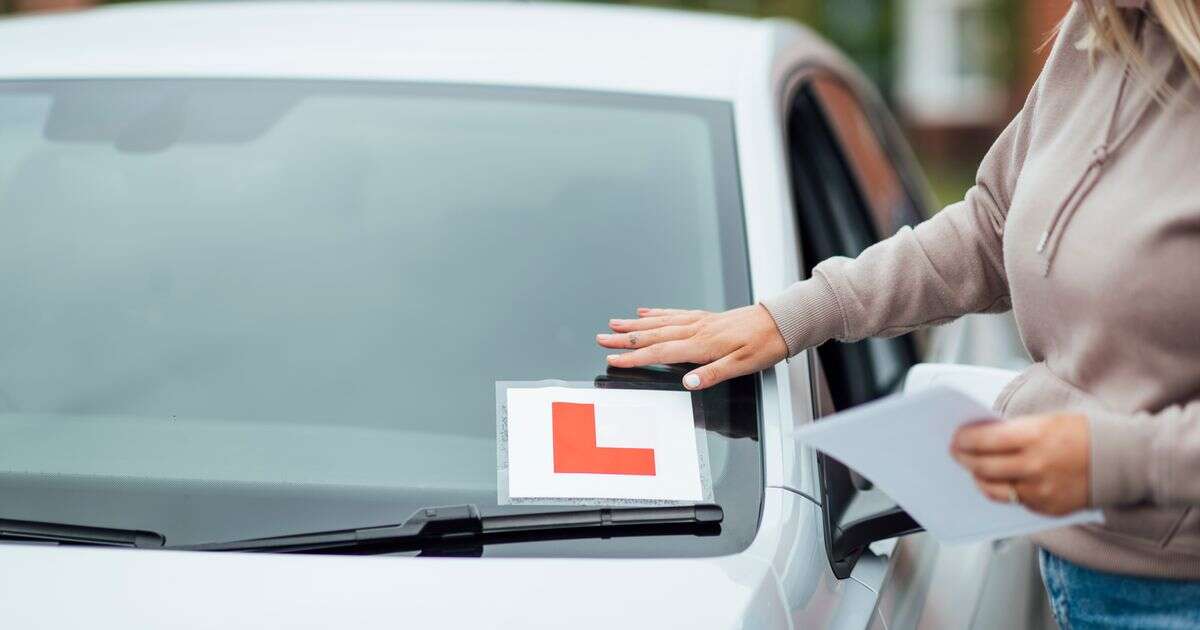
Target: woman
{"points": [[1085, 221]]}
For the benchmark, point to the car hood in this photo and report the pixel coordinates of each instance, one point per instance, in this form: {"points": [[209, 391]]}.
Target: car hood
{"points": [[46, 586]]}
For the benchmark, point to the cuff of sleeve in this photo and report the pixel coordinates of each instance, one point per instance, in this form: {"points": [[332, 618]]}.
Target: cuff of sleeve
{"points": [[1121, 459], [806, 313]]}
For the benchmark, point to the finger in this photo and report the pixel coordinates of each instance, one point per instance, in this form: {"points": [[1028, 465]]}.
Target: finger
{"points": [[658, 312], [727, 367], [998, 492], [646, 323], [644, 339], [998, 468], [994, 436], [680, 351]]}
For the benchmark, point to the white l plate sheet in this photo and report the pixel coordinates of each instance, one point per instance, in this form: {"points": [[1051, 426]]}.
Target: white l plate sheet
{"points": [[601, 446], [902, 444]]}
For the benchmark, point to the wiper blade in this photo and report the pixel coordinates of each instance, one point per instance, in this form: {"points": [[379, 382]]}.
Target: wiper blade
{"points": [[79, 534], [462, 526]]}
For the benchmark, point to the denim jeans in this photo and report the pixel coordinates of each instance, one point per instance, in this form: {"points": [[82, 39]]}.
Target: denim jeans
{"points": [[1083, 599]]}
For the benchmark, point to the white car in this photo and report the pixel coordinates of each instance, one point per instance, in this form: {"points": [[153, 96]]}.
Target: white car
{"points": [[263, 264]]}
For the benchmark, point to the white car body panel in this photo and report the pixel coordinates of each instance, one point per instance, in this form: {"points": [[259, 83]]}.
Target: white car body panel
{"points": [[115, 588], [203, 591], [642, 51], [782, 580]]}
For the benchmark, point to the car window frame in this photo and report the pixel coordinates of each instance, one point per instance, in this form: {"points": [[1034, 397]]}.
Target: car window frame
{"points": [[854, 514]]}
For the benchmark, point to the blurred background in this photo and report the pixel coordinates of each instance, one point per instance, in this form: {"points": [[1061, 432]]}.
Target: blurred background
{"points": [[953, 71]]}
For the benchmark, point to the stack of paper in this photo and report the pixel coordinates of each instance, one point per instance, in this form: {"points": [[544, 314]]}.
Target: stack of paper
{"points": [[902, 444]]}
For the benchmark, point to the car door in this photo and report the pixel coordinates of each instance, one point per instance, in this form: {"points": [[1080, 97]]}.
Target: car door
{"points": [[855, 183]]}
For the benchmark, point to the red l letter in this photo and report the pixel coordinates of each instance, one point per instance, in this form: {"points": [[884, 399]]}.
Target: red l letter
{"points": [[575, 449]]}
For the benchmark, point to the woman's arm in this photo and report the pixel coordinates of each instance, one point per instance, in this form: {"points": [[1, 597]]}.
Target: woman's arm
{"points": [[949, 265], [946, 267]]}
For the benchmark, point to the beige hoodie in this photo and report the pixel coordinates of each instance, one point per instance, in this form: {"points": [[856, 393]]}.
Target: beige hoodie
{"points": [[1085, 221]]}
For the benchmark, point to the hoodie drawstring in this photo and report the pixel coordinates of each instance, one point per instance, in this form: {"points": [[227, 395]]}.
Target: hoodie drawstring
{"points": [[1048, 243]]}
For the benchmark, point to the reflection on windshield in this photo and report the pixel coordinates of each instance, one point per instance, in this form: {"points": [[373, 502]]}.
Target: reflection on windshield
{"points": [[281, 286], [155, 116]]}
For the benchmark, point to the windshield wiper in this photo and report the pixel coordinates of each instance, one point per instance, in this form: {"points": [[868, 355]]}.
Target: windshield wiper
{"points": [[461, 528], [11, 529]]}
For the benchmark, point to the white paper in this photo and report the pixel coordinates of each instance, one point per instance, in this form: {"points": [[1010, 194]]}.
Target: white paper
{"points": [[902, 444], [624, 418]]}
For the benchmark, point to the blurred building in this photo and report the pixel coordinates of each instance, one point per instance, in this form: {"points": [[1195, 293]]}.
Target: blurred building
{"points": [[44, 5], [965, 66]]}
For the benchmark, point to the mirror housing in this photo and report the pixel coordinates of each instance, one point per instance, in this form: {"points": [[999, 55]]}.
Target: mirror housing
{"points": [[853, 517]]}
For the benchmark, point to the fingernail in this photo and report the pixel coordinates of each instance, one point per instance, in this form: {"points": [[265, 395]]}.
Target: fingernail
{"points": [[603, 337], [691, 381], [612, 357], [616, 322]]}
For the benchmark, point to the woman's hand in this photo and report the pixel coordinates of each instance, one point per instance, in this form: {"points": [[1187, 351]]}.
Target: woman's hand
{"points": [[1042, 461], [729, 344]]}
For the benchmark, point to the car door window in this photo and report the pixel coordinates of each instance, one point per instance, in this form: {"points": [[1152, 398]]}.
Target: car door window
{"points": [[850, 192], [886, 201]]}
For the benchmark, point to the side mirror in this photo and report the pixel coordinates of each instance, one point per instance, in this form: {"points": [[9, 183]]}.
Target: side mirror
{"points": [[855, 513]]}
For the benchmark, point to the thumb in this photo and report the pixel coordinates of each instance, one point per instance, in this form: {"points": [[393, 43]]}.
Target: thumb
{"points": [[720, 370]]}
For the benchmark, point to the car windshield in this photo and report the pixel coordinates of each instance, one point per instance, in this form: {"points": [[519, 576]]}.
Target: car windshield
{"points": [[243, 308]]}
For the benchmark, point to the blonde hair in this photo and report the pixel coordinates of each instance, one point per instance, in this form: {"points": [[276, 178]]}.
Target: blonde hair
{"points": [[1112, 32]]}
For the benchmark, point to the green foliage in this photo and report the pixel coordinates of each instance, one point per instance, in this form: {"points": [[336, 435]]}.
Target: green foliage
{"points": [[949, 179], [1005, 40]]}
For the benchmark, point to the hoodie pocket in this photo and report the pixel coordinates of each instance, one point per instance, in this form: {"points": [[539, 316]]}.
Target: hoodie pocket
{"points": [[1185, 535], [1006, 394], [1040, 390], [1151, 527]]}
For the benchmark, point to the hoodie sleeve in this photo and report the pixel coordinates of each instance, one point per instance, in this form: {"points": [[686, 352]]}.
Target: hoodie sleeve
{"points": [[950, 265], [1146, 457]]}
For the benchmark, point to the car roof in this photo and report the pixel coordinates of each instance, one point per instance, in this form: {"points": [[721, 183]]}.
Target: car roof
{"points": [[559, 45]]}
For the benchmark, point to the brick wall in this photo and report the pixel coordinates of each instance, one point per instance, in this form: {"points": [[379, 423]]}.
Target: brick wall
{"points": [[1039, 17], [47, 5]]}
